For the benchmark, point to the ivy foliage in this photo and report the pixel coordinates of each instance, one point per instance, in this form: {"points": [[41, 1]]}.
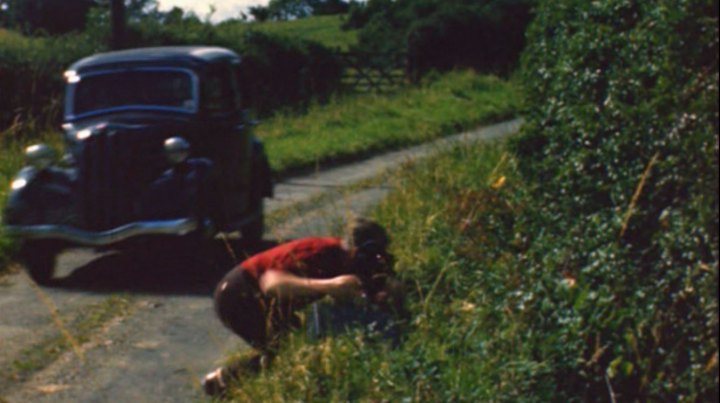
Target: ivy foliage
{"points": [[621, 142]]}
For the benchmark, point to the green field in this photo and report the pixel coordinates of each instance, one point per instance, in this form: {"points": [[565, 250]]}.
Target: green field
{"points": [[355, 126], [325, 30]]}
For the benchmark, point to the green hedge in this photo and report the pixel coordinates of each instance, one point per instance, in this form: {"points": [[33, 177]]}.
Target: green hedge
{"points": [[280, 72], [31, 76], [622, 143], [284, 73]]}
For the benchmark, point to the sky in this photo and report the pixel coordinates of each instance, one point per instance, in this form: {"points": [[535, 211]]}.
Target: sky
{"points": [[224, 9]]}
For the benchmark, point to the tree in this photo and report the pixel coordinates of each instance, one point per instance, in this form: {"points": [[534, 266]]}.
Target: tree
{"points": [[6, 14], [292, 9], [289, 9], [135, 10], [259, 13], [330, 7], [444, 34], [117, 23], [32, 16]]}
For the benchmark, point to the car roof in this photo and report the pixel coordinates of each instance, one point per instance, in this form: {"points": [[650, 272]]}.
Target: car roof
{"points": [[178, 56]]}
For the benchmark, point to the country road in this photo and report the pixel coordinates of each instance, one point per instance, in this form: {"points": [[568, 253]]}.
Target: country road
{"points": [[165, 337]]}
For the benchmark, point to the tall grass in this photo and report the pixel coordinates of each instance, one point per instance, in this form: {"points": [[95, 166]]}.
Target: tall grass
{"points": [[12, 158]]}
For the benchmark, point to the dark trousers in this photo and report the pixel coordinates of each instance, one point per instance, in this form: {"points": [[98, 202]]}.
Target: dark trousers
{"points": [[260, 321], [240, 306]]}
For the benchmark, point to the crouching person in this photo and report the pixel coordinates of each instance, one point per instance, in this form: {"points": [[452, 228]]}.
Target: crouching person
{"points": [[259, 298]]}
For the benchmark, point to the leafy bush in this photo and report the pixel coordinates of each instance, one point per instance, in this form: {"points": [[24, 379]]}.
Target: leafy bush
{"points": [[279, 72], [488, 37], [31, 78], [32, 16], [442, 35], [622, 142]]}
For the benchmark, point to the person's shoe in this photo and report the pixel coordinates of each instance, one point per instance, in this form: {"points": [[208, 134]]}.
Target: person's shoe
{"points": [[213, 383]]}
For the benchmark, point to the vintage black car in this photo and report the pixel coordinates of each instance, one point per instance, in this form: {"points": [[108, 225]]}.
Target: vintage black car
{"points": [[157, 144]]}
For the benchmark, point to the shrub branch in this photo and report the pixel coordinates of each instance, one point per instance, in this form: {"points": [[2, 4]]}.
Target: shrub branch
{"points": [[638, 192]]}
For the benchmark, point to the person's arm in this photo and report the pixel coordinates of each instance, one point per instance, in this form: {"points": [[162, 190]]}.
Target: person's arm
{"points": [[279, 284]]}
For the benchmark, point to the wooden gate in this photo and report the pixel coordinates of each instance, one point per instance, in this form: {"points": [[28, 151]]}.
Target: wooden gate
{"points": [[374, 72]]}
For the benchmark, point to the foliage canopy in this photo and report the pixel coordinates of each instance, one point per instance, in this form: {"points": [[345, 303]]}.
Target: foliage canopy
{"points": [[33, 16]]}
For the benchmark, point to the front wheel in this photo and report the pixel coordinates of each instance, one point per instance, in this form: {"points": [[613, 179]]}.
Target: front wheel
{"points": [[39, 257]]}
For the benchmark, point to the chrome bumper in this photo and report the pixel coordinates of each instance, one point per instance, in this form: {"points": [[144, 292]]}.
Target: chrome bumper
{"points": [[180, 227]]}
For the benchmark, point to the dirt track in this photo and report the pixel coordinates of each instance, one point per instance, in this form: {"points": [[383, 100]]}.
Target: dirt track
{"points": [[159, 349]]}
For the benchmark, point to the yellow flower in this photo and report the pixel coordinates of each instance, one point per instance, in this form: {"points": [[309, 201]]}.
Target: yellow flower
{"points": [[500, 182]]}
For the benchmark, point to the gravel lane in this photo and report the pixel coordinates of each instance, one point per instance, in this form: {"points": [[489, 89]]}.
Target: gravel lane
{"points": [[161, 350]]}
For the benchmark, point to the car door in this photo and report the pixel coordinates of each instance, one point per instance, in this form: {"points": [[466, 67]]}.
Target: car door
{"points": [[226, 139]]}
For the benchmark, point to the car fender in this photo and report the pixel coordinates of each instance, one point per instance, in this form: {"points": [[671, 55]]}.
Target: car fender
{"points": [[40, 195], [181, 191]]}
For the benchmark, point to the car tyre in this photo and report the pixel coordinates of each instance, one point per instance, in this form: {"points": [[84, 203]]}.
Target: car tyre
{"points": [[38, 258]]}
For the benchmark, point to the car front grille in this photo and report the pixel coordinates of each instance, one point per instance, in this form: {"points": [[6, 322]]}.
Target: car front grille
{"points": [[115, 169], [105, 201]]}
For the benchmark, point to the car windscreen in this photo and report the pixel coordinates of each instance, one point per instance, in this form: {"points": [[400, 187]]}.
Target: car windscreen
{"points": [[143, 88]]}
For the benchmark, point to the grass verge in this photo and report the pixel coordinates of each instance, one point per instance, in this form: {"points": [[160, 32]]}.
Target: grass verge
{"points": [[454, 233]]}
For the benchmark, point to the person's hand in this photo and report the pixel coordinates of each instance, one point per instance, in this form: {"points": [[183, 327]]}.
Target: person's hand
{"points": [[346, 287], [391, 296]]}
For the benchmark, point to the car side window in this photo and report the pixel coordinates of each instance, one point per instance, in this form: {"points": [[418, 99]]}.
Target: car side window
{"points": [[219, 91]]}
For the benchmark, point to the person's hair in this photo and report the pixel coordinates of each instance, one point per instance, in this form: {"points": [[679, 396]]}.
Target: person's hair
{"points": [[362, 230], [370, 261]]}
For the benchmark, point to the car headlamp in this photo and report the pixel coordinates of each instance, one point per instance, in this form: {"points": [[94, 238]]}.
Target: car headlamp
{"points": [[177, 150], [18, 183], [81, 135]]}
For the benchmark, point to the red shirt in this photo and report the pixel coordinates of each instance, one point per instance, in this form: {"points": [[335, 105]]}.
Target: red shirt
{"points": [[307, 257]]}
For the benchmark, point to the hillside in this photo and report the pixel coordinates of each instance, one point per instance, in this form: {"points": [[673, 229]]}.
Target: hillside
{"points": [[325, 30]]}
